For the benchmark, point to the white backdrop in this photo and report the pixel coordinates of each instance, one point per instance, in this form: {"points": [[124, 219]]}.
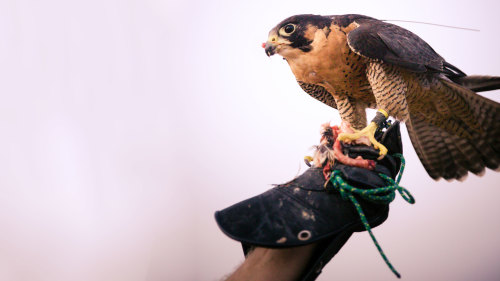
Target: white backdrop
{"points": [[125, 124]]}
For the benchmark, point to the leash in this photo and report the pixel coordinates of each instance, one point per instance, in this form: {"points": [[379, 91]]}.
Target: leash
{"points": [[384, 195]]}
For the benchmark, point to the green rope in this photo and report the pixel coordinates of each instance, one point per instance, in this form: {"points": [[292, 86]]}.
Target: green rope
{"points": [[383, 195]]}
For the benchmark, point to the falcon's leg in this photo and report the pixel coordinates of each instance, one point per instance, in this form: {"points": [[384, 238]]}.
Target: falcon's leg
{"points": [[389, 89], [355, 115], [350, 111]]}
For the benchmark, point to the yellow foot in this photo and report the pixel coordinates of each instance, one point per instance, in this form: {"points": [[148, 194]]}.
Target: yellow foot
{"points": [[368, 132]]}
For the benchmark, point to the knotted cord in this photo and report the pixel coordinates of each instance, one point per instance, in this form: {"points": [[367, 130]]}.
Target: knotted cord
{"points": [[384, 195]]}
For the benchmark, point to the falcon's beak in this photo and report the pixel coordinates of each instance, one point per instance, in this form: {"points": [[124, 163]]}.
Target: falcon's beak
{"points": [[270, 48]]}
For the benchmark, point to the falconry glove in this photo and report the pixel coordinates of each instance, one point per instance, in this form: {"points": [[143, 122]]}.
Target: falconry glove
{"points": [[310, 209]]}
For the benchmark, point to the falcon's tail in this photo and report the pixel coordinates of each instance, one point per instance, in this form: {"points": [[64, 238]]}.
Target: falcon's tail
{"points": [[462, 134], [478, 83]]}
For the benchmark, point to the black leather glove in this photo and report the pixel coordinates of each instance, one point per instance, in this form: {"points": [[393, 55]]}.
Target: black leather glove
{"points": [[307, 210]]}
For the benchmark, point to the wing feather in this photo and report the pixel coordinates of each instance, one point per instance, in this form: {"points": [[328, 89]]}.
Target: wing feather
{"points": [[389, 43]]}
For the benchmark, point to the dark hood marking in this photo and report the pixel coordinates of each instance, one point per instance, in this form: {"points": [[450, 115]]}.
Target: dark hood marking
{"points": [[297, 39]]}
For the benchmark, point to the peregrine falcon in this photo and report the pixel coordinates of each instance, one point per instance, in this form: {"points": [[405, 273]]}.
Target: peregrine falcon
{"points": [[354, 62]]}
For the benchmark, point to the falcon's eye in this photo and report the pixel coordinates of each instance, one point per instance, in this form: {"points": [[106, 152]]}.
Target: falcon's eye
{"points": [[287, 29]]}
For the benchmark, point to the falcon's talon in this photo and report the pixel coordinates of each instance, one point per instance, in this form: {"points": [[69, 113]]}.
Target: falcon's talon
{"points": [[369, 132]]}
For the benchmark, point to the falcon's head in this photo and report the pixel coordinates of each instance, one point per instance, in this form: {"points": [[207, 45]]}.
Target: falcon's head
{"points": [[296, 35]]}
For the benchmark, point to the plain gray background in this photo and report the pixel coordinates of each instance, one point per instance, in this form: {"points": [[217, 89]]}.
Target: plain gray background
{"points": [[125, 125]]}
